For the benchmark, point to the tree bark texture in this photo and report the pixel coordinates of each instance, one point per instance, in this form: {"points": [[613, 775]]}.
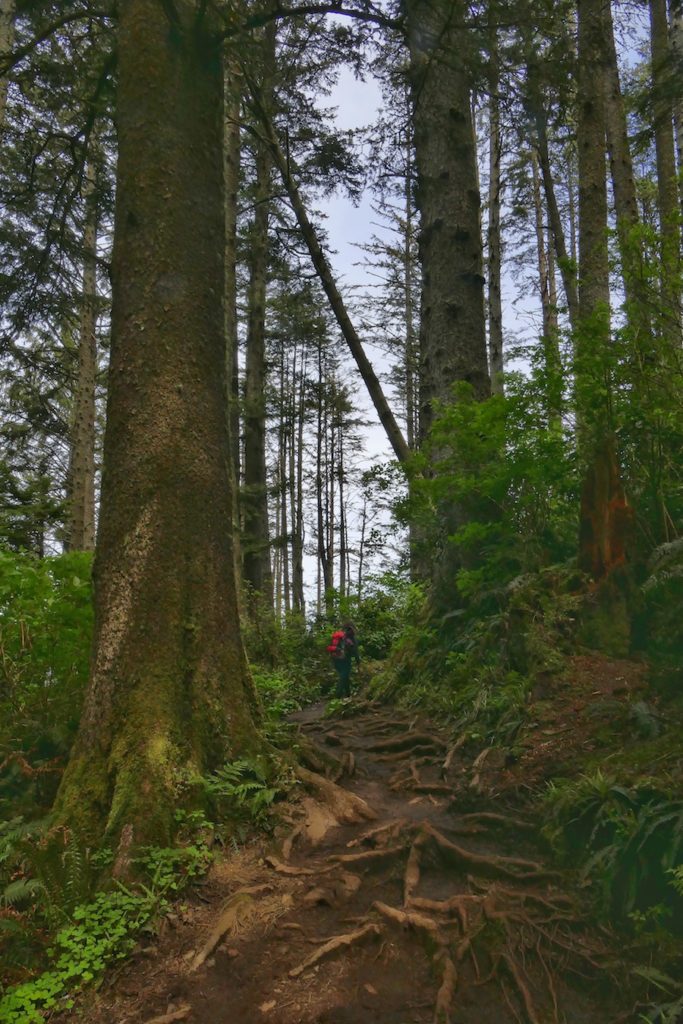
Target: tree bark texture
{"points": [[81, 523], [453, 329], [550, 336], [603, 511], [7, 15], [232, 144], [495, 305], [170, 692], [676, 40], [667, 183]]}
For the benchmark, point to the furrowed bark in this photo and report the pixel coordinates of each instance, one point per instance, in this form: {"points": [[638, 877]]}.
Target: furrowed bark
{"points": [[170, 692], [453, 330]]}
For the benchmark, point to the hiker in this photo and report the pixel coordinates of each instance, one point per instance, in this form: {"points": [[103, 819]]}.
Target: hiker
{"points": [[343, 650]]}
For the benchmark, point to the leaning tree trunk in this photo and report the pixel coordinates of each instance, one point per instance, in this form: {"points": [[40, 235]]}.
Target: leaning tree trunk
{"points": [[676, 40], [81, 509], [170, 692], [603, 513], [453, 329], [552, 359]]}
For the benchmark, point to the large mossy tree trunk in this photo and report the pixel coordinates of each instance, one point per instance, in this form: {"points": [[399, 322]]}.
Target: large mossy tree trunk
{"points": [[170, 692]]}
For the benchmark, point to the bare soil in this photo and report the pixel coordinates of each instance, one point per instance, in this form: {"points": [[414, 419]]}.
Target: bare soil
{"points": [[393, 893]]}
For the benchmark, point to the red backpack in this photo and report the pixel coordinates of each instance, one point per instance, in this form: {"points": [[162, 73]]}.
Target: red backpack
{"points": [[338, 646]]}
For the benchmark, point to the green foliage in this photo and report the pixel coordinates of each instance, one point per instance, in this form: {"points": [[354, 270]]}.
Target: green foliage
{"points": [[627, 839], [101, 932], [242, 792], [45, 635], [501, 498]]}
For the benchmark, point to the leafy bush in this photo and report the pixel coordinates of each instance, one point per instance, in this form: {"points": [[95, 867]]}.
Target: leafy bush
{"points": [[628, 841], [45, 635]]}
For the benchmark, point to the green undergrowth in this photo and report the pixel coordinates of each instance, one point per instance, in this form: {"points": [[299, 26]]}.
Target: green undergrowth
{"points": [[63, 921]]}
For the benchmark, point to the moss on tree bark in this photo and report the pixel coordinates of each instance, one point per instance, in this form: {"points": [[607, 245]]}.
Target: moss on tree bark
{"points": [[170, 691]]}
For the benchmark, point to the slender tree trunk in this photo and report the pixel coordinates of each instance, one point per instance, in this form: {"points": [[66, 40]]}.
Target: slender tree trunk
{"points": [[565, 263], [81, 525], [495, 306], [549, 338], [667, 184], [411, 343], [342, 510], [603, 504], [170, 690], [256, 540], [322, 266], [453, 329], [7, 14], [298, 521], [676, 39]]}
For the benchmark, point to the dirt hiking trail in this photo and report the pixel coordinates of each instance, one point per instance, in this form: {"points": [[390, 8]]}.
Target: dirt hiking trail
{"points": [[392, 895]]}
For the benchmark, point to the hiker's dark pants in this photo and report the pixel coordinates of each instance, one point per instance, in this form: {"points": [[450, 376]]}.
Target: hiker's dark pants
{"points": [[343, 668]]}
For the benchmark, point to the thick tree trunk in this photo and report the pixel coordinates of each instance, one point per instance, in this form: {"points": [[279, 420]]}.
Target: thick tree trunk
{"points": [[7, 14], [495, 306], [81, 522], [603, 504], [232, 143], [170, 691], [453, 329]]}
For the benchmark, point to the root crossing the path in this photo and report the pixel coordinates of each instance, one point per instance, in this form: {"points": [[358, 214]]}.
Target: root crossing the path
{"points": [[389, 898]]}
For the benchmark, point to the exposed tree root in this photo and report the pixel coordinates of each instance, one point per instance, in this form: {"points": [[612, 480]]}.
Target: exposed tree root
{"points": [[436, 788], [446, 993], [368, 858], [410, 920], [452, 751], [346, 806], [413, 739], [401, 755], [168, 1018], [488, 865], [411, 878], [290, 869], [226, 921], [339, 942], [380, 835], [490, 817]]}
